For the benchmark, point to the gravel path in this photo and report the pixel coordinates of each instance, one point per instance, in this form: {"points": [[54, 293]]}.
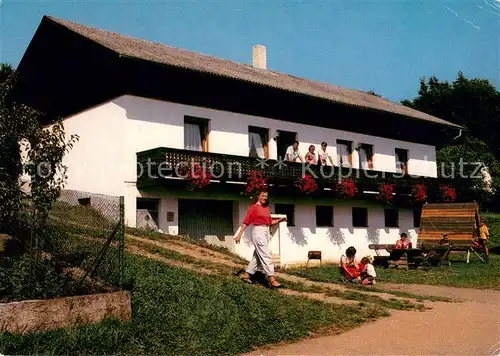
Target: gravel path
{"points": [[470, 327]]}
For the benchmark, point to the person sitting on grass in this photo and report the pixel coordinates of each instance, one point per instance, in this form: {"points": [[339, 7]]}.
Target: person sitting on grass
{"points": [[403, 243], [349, 267], [367, 270]]}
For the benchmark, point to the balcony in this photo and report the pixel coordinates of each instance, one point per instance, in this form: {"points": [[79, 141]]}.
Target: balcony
{"points": [[159, 165]]}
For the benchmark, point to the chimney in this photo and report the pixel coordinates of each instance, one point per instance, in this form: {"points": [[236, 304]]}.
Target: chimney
{"points": [[259, 57]]}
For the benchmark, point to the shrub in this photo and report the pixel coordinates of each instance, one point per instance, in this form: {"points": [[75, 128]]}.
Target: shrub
{"points": [[27, 278]]}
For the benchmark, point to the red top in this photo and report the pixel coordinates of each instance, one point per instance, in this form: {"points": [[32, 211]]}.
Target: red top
{"points": [[258, 215], [400, 244]]}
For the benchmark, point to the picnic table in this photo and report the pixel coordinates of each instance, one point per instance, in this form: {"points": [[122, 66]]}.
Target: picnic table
{"points": [[410, 258]]}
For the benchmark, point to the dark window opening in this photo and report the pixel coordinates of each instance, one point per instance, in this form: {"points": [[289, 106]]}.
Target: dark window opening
{"points": [[401, 161], [365, 156], [344, 153], [416, 217], [288, 210], [360, 217], [258, 142], [149, 205], [284, 140], [391, 217], [324, 215]]}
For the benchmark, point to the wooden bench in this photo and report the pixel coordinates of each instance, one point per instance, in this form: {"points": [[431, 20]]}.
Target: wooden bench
{"points": [[396, 257], [435, 258]]}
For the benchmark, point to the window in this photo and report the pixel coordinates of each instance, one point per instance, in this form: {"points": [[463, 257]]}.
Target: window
{"points": [[324, 215], [288, 210], [284, 140], [258, 138], [416, 217], [365, 152], [149, 205], [344, 153], [360, 217], [391, 217], [401, 161], [196, 132]]}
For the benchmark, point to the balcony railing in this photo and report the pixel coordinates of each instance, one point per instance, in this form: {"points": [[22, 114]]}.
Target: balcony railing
{"points": [[163, 163]]}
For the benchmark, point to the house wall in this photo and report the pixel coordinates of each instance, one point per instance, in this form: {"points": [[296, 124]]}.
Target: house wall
{"points": [[104, 159], [96, 161], [153, 123], [296, 241]]}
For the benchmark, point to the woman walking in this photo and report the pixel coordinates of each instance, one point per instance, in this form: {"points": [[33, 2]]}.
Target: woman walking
{"points": [[259, 216]]}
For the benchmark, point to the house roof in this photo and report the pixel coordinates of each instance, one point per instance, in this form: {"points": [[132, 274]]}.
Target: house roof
{"points": [[171, 56]]}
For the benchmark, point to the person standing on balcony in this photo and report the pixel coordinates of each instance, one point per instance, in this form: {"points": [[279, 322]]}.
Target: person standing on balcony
{"points": [[323, 155], [293, 153], [259, 216], [311, 156]]}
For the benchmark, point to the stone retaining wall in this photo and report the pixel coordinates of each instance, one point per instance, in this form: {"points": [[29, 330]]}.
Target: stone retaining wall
{"points": [[42, 315]]}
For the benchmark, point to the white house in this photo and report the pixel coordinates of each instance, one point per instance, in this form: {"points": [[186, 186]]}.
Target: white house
{"points": [[132, 102]]}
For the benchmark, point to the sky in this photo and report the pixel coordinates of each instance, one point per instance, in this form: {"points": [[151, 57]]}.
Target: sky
{"points": [[385, 46]]}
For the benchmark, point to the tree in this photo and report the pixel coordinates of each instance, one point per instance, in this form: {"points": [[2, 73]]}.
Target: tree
{"points": [[473, 103], [472, 165], [24, 215]]}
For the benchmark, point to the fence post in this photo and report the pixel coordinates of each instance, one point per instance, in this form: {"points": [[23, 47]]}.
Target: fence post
{"points": [[121, 236]]}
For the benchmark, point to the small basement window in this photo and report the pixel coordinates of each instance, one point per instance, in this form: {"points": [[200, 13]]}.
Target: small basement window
{"points": [[391, 217], [359, 217], [288, 210], [324, 215]]}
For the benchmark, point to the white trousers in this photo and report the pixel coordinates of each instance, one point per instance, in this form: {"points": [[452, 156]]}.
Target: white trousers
{"points": [[261, 257]]}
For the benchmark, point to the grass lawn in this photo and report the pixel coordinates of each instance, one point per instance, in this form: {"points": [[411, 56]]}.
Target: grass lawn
{"points": [[177, 311], [473, 275]]}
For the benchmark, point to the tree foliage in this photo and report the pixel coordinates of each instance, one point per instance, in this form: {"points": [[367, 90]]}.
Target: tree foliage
{"points": [[475, 104], [24, 140]]}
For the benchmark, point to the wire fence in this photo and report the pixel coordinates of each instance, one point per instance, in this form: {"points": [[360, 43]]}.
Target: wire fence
{"points": [[87, 235]]}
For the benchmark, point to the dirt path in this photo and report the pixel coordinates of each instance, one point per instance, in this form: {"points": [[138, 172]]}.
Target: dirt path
{"points": [[471, 327]]}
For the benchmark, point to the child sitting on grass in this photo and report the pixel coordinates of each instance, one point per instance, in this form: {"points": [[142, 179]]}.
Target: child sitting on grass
{"points": [[368, 273]]}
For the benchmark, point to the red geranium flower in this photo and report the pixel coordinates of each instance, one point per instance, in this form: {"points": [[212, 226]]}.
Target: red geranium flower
{"points": [[198, 175], [448, 194], [255, 182], [386, 193], [419, 193], [307, 184], [347, 188]]}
